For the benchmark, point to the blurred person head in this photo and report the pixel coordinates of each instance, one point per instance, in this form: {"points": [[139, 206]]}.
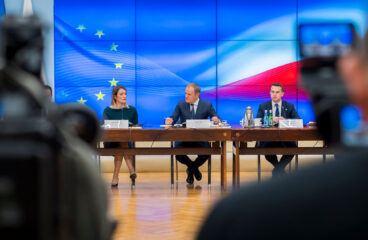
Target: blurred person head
{"points": [[354, 71], [192, 92], [48, 91], [276, 92], [118, 96]]}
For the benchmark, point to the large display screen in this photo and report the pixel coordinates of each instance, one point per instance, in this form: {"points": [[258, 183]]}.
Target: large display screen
{"points": [[234, 49]]}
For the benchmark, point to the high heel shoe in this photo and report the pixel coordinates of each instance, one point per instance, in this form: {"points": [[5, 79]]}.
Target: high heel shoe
{"points": [[133, 177], [115, 184]]}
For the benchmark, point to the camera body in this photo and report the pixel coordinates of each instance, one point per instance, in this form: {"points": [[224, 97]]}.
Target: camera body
{"points": [[28, 179], [326, 40], [22, 43], [50, 187], [321, 45]]}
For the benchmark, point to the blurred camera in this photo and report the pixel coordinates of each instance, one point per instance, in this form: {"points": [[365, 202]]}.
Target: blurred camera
{"points": [[49, 185], [326, 41], [320, 46], [22, 43]]}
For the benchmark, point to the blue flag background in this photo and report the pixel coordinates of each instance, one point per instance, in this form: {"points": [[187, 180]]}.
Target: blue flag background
{"points": [[2, 8], [233, 49]]}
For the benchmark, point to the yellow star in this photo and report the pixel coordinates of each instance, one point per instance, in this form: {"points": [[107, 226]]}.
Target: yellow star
{"points": [[81, 28], [118, 65], [100, 96], [81, 100], [113, 82], [99, 33], [114, 47]]}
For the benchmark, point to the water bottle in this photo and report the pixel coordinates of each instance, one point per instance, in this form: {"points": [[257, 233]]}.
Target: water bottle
{"points": [[265, 119], [270, 119]]}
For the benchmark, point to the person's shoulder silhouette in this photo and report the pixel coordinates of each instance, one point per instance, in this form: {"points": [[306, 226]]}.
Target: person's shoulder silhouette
{"points": [[322, 202]]}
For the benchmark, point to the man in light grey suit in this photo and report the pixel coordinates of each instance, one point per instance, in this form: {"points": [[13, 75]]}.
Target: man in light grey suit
{"points": [[192, 108]]}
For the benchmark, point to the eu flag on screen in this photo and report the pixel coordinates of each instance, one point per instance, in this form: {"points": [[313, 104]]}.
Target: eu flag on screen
{"points": [[94, 51], [233, 49], [2, 8]]}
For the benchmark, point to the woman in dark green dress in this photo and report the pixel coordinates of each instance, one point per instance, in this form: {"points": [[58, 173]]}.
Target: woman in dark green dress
{"points": [[117, 111]]}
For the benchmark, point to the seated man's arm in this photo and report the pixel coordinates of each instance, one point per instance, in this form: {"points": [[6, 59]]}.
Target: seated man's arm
{"points": [[215, 120], [293, 113], [174, 116], [260, 112], [213, 115]]}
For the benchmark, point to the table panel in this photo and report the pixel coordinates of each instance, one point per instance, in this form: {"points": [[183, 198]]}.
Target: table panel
{"points": [[244, 135], [171, 134]]}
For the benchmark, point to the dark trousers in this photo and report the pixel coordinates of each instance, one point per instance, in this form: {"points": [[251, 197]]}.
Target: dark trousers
{"points": [[285, 159], [184, 159]]}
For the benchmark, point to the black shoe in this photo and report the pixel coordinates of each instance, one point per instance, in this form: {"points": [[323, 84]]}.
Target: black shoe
{"points": [[114, 185], [197, 174], [190, 178], [133, 177]]}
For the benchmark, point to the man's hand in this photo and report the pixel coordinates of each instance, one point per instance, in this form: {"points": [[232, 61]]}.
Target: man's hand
{"points": [[215, 120], [276, 119], [168, 121]]}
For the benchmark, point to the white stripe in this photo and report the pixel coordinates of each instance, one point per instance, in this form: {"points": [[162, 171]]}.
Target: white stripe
{"points": [[27, 8]]}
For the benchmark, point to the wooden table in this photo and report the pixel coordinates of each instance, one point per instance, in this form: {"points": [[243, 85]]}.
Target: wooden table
{"points": [[217, 135], [241, 137]]}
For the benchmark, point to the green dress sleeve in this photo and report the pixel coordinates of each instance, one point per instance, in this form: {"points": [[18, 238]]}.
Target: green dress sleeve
{"points": [[134, 119]]}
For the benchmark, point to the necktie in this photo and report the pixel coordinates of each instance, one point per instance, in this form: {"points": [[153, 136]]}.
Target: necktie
{"points": [[192, 110], [277, 113]]}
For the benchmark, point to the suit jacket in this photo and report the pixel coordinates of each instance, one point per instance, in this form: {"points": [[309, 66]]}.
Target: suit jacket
{"points": [[182, 111], [287, 110]]}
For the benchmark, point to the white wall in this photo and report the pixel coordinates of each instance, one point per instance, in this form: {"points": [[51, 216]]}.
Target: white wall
{"points": [[45, 10], [14, 7]]}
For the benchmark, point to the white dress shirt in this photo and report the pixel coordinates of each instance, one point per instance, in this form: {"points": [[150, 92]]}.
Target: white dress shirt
{"points": [[195, 106], [274, 108]]}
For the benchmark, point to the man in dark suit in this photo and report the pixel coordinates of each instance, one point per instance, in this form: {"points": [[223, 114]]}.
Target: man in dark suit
{"points": [[280, 110], [192, 108]]}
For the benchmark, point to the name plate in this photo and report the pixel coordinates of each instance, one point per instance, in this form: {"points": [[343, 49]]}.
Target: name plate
{"points": [[198, 123], [291, 123], [116, 124], [258, 122]]}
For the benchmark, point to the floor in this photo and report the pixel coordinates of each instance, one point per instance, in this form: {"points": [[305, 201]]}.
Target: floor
{"points": [[154, 209]]}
